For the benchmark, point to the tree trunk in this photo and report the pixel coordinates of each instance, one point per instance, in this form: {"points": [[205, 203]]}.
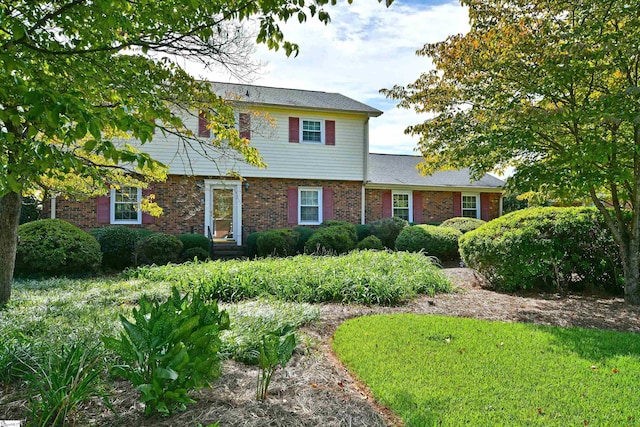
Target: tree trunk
{"points": [[10, 205], [631, 269]]}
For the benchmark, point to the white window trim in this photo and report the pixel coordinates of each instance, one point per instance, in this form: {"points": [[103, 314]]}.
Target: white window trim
{"points": [[112, 209], [319, 191], [322, 131], [410, 194], [211, 185], [477, 196]]}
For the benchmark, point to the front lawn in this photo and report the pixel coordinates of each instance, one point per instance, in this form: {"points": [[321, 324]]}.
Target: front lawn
{"points": [[452, 371]]}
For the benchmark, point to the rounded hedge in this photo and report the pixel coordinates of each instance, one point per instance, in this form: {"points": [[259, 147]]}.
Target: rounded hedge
{"points": [[280, 242], [370, 242], [197, 252], [335, 239], [252, 244], [545, 248], [193, 240], [387, 230], [52, 246], [117, 244], [441, 242], [347, 226], [159, 249], [302, 236], [363, 231], [462, 224]]}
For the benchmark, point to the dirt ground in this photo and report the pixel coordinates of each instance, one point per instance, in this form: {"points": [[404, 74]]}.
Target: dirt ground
{"points": [[315, 390]]}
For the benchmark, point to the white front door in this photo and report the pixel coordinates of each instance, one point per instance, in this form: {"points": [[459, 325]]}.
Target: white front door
{"points": [[223, 210]]}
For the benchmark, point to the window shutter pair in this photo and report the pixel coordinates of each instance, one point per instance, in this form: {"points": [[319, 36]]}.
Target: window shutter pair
{"points": [[292, 202], [103, 209], [244, 126], [387, 206], [485, 210], [329, 129]]}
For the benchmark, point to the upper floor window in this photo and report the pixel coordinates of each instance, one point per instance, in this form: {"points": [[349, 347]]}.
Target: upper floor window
{"points": [[125, 205], [312, 131], [470, 206], [309, 205], [402, 205]]}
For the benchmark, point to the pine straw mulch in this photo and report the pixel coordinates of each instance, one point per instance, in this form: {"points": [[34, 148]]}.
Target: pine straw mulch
{"points": [[315, 390]]}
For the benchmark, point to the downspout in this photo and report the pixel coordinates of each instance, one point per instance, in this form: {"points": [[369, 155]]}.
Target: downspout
{"points": [[500, 209], [53, 207], [365, 171]]}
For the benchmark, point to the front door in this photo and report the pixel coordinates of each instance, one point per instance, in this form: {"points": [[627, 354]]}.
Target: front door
{"points": [[223, 214], [223, 210]]}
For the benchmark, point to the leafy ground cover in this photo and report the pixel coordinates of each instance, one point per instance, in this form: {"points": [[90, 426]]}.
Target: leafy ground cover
{"points": [[434, 370], [365, 277]]}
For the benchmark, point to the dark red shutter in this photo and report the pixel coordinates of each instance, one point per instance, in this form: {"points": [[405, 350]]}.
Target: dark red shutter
{"points": [[417, 207], [327, 204], [245, 125], [387, 207], [292, 201], [457, 204], [294, 129], [203, 130], [102, 209], [146, 218], [485, 210], [330, 129]]}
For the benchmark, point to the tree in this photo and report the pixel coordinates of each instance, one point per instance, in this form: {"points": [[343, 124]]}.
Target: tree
{"points": [[79, 74], [551, 88]]}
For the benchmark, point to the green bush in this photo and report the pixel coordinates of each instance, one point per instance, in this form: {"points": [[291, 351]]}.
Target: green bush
{"points": [[462, 224], [117, 244], [159, 249], [387, 230], [192, 240], [349, 228], [169, 349], [363, 231], [52, 246], [141, 233], [280, 242], [30, 210], [252, 244], [303, 235], [546, 248], [370, 242], [336, 239], [441, 242], [191, 253]]}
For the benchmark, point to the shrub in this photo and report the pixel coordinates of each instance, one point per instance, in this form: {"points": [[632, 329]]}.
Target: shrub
{"points": [[192, 240], [387, 230], [336, 239], [441, 242], [141, 233], [349, 228], [280, 242], [547, 248], [370, 242], [363, 231], [462, 224], [52, 246], [117, 244], [169, 349], [30, 210], [191, 253], [159, 249], [303, 235], [252, 244]]}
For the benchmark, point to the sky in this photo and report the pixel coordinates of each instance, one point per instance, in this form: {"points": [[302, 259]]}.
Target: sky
{"points": [[365, 48]]}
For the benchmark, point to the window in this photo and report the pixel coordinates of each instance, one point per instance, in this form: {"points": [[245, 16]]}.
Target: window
{"points": [[312, 131], [402, 205], [470, 206], [309, 205], [125, 205]]}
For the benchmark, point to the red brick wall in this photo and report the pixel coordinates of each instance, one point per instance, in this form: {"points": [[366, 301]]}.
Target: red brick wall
{"points": [[436, 205]]}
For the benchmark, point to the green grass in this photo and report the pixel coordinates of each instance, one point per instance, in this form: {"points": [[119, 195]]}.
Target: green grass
{"points": [[365, 277], [451, 371]]}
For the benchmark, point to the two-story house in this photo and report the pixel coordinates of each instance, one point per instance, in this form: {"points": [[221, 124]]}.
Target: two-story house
{"points": [[316, 146]]}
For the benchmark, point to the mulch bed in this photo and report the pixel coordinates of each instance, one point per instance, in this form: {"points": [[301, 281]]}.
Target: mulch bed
{"points": [[315, 390]]}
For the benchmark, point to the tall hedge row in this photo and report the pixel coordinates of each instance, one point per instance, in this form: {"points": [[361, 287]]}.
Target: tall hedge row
{"points": [[545, 248]]}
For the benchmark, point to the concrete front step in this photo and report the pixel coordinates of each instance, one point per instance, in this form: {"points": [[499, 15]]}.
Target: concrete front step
{"points": [[228, 251]]}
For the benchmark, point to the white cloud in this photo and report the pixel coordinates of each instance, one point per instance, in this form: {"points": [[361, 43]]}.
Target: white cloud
{"points": [[366, 47]]}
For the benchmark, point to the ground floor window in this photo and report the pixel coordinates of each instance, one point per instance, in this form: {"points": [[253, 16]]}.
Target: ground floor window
{"points": [[402, 205], [125, 205], [470, 206], [309, 205]]}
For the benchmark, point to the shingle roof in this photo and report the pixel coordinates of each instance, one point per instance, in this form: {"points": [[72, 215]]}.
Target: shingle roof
{"points": [[394, 169], [291, 98]]}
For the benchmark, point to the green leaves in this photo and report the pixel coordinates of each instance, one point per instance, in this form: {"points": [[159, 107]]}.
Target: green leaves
{"points": [[170, 348], [275, 350]]}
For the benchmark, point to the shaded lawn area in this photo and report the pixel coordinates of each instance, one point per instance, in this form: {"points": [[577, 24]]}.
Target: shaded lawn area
{"points": [[434, 370]]}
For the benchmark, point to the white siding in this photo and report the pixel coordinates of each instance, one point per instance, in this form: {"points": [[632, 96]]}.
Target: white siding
{"points": [[344, 161]]}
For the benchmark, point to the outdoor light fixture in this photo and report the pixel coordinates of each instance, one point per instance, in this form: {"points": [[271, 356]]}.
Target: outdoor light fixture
{"points": [[246, 185]]}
